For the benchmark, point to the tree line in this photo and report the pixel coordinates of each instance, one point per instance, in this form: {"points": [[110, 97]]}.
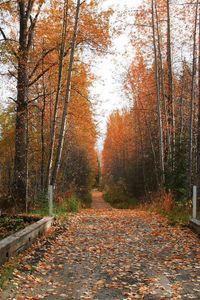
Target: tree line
{"points": [[155, 144]]}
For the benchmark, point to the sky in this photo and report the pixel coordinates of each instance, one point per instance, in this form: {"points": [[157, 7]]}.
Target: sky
{"points": [[109, 70]]}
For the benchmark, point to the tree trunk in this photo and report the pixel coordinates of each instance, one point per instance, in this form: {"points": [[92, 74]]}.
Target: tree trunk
{"points": [[161, 142], [20, 167], [181, 112], [25, 42], [170, 106], [42, 178], [60, 75], [162, 88], [198, 131], [192, 98], [67, 99], [149, 129]]}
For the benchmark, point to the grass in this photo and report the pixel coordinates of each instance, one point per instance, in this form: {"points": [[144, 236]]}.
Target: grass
{"points": [[126, 204], [69, 205], [73, 204], [177, 216], [6, 274], [180, 213]]}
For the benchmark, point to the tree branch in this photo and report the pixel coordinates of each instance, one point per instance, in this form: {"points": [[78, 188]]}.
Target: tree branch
{"points": [[32, 26], [6, 40], [41, 74], [40, 60]]}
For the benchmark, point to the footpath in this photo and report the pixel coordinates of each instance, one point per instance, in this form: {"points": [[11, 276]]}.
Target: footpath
{"points": [[110, 254]]}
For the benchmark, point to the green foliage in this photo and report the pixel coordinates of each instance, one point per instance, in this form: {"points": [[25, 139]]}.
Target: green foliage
{"points": [[77, 171], [99, 175], [40, 202], [85, 198], [117, 195], [176, 178], [180, 214], [73, 204], [6, 274]]}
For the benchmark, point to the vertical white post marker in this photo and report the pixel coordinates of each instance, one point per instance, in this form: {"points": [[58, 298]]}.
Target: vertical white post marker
{"points": [[194, 202], [50, 200]]}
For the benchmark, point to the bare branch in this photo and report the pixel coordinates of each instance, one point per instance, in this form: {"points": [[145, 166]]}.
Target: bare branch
{"points": [[40, 60], [41, 74], [6, 40]]}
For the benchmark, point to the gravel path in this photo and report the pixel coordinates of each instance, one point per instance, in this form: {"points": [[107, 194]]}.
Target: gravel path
{"points": [[109, 254]]}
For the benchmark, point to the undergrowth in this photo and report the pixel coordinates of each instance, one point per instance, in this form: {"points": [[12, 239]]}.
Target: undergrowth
{"points": [[119, 201], [72, 204], [176, 211], [10, 225]]}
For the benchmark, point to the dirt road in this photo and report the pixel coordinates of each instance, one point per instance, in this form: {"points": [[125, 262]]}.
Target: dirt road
{"points": [[110, 254]]}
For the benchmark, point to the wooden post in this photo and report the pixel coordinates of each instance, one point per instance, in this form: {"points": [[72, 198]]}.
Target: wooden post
{"points": [[194, 202], [50, 200]]}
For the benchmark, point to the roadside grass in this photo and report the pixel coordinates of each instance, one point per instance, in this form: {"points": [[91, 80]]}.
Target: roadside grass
{"points": [[180, 214], [177, 212], [72, 204], [6, 273]]}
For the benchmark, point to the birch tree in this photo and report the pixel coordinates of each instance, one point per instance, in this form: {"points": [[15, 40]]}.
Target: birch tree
{"points": [[192, 102], [60, 78], [159, 108], [198, 116], [170, 106], [66, 99]]}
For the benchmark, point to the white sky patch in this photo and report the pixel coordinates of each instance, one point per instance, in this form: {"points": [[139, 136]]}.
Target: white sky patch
{"points": [[111, 69]]}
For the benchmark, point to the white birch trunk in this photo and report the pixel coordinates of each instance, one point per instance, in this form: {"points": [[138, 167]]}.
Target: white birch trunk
{"points": [[60, 75], [66, 100], [194, 69], [158, 98]]}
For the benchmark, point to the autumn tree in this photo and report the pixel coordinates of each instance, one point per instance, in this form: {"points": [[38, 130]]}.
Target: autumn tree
{"points": [[162, 87], [52, 33]]}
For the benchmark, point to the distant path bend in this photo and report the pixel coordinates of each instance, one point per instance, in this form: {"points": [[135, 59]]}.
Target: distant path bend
{"points": [[98, 202]]}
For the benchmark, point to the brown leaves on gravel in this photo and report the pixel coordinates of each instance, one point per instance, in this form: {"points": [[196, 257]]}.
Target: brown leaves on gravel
{"points": [[109, 254]]}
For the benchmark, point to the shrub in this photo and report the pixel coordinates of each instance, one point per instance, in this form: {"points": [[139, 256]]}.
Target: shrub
{"points": [[73, 204], [168, 201], [117, 195]]}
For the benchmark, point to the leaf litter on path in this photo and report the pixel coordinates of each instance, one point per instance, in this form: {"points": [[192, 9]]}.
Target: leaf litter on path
{"points": [[109, 254]]}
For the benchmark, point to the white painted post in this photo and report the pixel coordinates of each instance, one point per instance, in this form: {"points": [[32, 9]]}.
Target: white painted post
{"points": [[50, 200], [194, 202]]}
